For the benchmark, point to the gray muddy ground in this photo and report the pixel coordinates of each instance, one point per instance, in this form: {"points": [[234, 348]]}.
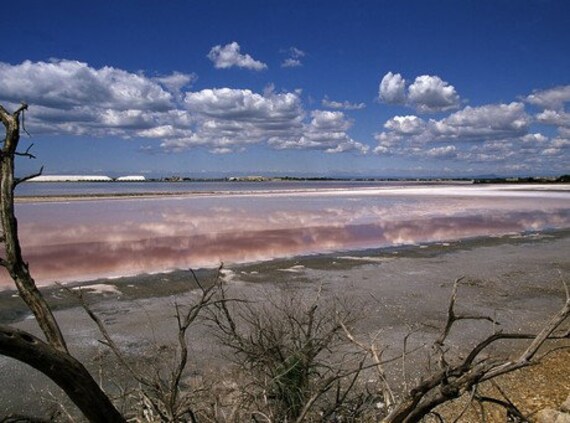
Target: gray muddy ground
{"points": [[515, 279]]}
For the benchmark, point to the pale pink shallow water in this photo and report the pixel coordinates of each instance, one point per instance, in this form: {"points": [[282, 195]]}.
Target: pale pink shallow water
{"points": [[82, 240]]}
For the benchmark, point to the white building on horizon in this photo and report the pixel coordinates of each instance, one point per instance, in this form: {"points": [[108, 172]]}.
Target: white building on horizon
{"points": [[71, 178], [131, 178]]}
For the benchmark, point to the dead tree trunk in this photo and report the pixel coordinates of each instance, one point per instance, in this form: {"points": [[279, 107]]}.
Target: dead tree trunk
{"points": [[68, 373], [13, 260], [51, 358]]}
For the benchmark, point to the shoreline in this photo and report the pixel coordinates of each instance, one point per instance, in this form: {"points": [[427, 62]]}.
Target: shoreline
{"points": [[25, 199], [444, 189], [179, 280]]}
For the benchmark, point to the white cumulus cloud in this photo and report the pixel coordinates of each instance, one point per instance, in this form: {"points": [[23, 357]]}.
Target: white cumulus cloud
{"points": [[228, 103], [489, 126], [392, 89], [229, 56], [427, 94], [72, 98], [486, 135], [326, 131], [554, 117], [448, 151], [291, 63], [533, 139], [176, 81], [342, 105], [406, 125], [65, 84], [432, 94], [231, 118], [553, 98], [561, 143], [483, 122]]}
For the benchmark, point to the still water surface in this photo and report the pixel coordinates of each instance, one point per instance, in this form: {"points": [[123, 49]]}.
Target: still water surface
{"points": [[81, 240], [86, 188]]}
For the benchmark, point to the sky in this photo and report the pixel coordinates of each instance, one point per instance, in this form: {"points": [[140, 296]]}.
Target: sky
{"points": [[446, 88]]}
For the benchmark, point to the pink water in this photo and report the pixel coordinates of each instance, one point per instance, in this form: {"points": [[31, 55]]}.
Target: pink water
{"points": [[82, 240]]}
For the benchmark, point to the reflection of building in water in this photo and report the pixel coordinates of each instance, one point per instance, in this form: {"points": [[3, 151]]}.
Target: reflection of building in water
{"points": [[252, 178]]}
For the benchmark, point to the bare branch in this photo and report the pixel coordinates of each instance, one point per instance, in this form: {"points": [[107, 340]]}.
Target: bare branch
{"points": [[452, 317], [24, 123], [52, 358], [452, 381], [108, 340], [405, 355], [184, 323], [23, 106], [18, 181], [6, 117], [473, 393], [373, 351], [512, 411], [26, 153], [525, 358]]}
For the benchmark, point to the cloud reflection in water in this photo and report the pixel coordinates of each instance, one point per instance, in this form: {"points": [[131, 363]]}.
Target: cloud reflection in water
{"points": [[85, 240]]}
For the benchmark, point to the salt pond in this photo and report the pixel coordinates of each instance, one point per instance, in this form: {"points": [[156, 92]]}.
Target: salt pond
{"points": [[83, 240]]}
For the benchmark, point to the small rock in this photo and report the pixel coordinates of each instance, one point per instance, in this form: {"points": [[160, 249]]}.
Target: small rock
{"points": [[547, 415]]}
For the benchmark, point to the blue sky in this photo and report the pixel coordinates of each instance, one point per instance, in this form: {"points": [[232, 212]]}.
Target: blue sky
{"points": [[336, 88]]}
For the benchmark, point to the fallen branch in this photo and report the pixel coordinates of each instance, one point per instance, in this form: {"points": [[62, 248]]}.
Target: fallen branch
{"points": [[452, 381]]}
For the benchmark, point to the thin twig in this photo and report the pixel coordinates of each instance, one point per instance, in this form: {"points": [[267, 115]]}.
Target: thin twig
{"points": [[473, 393], [18, 181], [108, 340]]}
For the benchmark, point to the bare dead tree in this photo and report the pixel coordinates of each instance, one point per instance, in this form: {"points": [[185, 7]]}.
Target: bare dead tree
{"points": [[454, 379], [52, 358], [13, 261]]}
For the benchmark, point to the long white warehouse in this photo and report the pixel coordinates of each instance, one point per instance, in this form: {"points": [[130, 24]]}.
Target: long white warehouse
{"points": [[131, 178], [71, 178]]}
